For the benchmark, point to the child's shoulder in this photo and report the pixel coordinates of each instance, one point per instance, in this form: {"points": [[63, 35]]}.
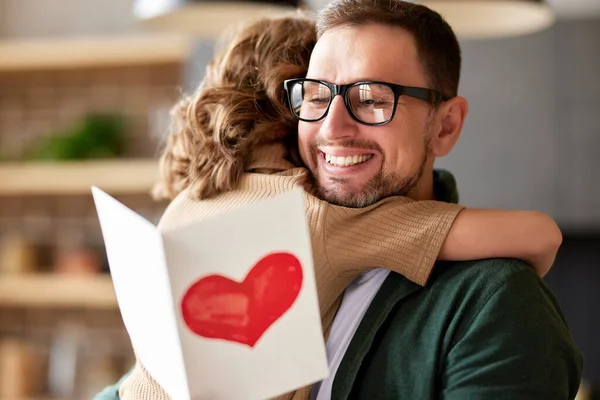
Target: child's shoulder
{"points": [[186, 209]]}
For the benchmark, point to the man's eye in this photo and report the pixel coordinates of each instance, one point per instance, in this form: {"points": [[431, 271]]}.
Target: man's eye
{"points": [[373, 102]]}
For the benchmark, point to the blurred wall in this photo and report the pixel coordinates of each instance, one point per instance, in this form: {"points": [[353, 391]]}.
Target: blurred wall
{"points": [[575, 279], [34, 18]]}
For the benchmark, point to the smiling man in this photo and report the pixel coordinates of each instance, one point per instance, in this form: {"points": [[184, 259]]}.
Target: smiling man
{"points": [[379, 104]]}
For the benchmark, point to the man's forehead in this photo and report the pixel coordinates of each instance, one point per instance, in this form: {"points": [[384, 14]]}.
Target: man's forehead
{"points": [[368, 52]]}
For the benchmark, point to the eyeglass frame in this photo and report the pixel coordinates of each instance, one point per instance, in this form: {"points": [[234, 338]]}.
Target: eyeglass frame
{"points": [[428, 95]]}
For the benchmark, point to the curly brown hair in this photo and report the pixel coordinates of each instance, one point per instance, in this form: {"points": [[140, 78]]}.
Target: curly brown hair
{"points": [[238, 105]]}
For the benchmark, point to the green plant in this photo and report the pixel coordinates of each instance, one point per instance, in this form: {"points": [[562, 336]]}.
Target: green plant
{"points": [[96, 136]]}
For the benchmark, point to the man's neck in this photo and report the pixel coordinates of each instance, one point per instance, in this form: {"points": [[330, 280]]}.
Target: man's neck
{"points": [[424, 188], [436, 184]]}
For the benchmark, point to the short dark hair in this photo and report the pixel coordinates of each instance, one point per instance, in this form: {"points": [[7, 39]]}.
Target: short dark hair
{"points": [[437, 45]]}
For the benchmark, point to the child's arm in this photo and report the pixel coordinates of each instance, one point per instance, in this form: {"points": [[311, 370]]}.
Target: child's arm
{"points": [[530, 236], [396, 233], [407, 237]]}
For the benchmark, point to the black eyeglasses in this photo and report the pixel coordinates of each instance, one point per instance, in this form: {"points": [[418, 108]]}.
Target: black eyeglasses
{"points": [[368, 102]]}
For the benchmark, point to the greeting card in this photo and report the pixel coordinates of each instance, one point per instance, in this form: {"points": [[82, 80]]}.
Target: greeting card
{"points": [[223, 309]]}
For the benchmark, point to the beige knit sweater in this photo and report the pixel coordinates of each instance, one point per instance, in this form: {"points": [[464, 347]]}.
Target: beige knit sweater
{"points": [[397, 233]]}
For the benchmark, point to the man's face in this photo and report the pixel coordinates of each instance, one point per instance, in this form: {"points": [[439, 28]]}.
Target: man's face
{"points": [[394, 155]]}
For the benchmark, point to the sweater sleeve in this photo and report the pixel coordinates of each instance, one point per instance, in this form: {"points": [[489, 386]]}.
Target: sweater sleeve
{"points": [[397, 233], [139, 385]]}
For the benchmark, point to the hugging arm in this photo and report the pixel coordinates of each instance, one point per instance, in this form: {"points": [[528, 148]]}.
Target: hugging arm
{"points": [[396, 233], [530, 236]]}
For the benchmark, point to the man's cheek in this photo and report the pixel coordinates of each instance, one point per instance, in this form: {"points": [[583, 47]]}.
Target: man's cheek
{"points": [[303, 151]]}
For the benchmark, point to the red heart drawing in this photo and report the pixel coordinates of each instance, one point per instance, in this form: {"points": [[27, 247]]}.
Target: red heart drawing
{"points": [[220, 308]]}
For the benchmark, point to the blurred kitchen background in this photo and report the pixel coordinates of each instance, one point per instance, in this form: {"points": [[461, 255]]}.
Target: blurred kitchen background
{"points": [[85, 88]]}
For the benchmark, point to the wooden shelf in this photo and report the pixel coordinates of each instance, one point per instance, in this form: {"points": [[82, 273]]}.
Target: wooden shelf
{"points": [[55, 291], [82, 52], [55, 178]]}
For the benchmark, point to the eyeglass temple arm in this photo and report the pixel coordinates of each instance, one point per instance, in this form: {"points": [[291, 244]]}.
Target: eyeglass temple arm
{"points": [[429, 95]]}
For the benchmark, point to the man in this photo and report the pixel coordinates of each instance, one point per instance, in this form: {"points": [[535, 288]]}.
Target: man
{"points": [[479, 330]]}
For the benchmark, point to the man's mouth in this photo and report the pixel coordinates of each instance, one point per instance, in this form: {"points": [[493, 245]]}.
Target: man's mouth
{"points": [[347, 161]]}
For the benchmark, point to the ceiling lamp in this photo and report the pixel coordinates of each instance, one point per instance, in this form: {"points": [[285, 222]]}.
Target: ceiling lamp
{"points": [[488, 19], [205, 18], [485, 19], [470, 19]]}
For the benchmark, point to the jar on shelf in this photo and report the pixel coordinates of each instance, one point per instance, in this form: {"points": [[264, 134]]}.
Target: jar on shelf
{"points": [[17, 254], [74, 256], [64, 359], [19, 374]]}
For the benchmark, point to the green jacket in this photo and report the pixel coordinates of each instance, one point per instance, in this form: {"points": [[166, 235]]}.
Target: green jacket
{"points": [[487, 329]]}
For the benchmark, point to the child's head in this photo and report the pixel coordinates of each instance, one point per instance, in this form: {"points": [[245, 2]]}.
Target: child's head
{"points": [[238, 105]]}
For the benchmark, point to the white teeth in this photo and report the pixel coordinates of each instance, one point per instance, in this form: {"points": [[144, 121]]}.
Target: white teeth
{"points": [[347, 161]]}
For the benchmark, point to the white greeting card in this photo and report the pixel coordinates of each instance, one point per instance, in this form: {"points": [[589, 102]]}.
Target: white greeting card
{"points": [[223, 309]]}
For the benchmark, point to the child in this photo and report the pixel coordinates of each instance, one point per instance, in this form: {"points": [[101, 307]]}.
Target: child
{"points": [[233, 142]]}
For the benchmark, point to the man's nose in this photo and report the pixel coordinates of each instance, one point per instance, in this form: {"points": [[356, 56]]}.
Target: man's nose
{"points": [[338, 123]]}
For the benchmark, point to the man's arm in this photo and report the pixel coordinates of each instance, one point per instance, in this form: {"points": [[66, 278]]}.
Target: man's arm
{"points": [[517, 346]]}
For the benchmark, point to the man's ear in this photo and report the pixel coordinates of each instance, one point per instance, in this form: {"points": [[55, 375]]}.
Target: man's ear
{"points": [[450, 118]]}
